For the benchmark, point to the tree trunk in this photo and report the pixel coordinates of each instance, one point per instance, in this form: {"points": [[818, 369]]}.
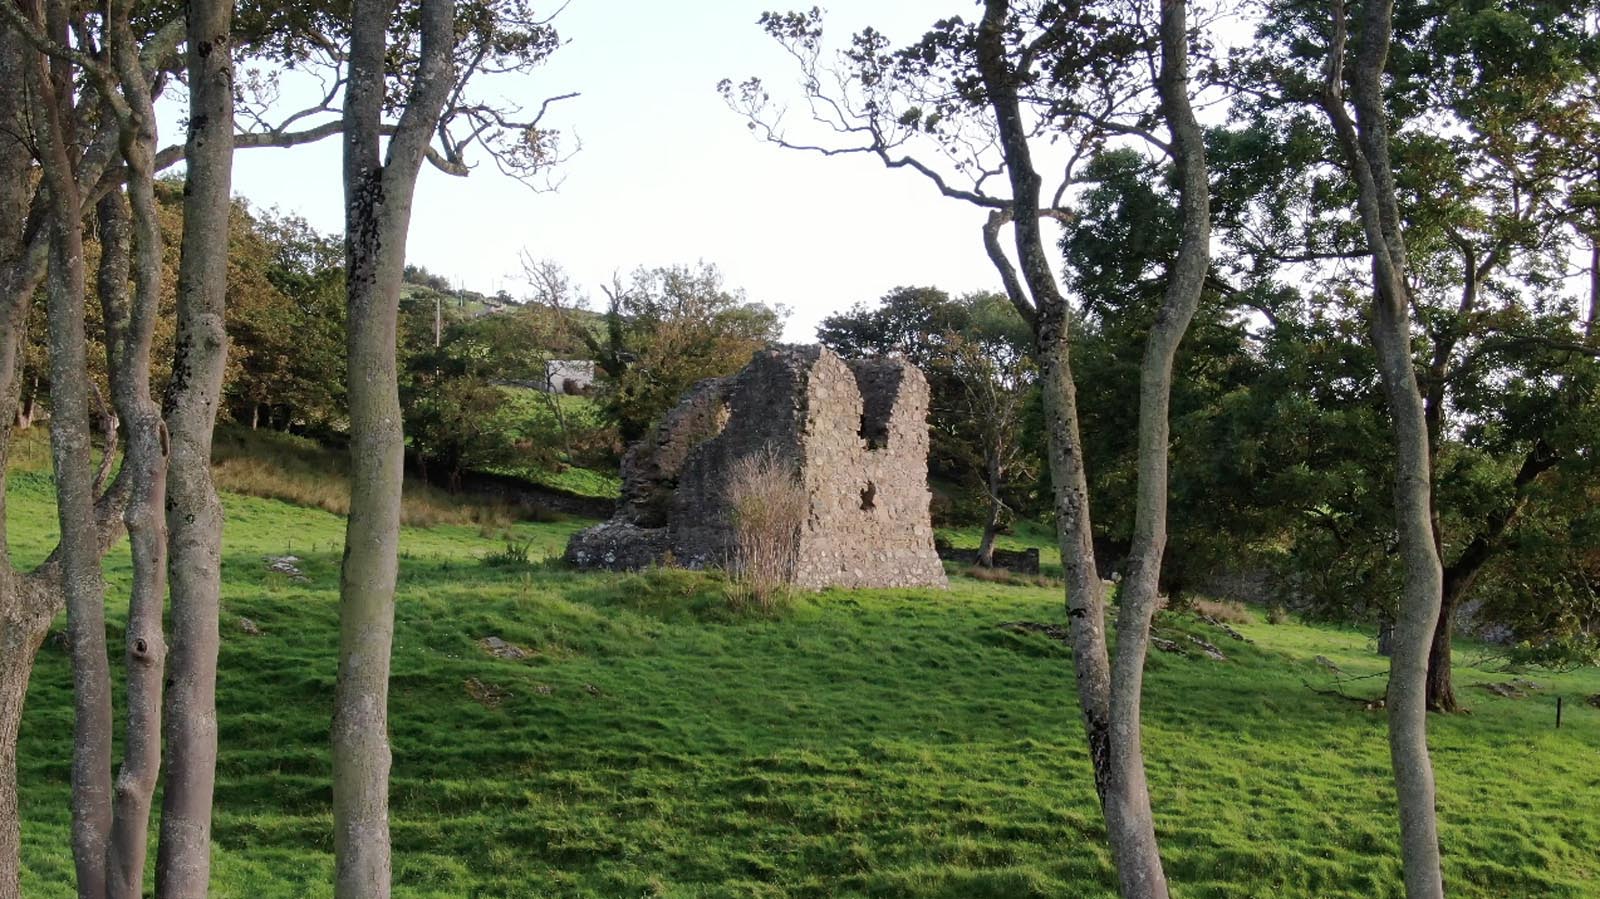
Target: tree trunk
{"points": [[1110, 708], [1441, 694], [1085, 602], [24, 621], [27, 235], [991, 528], [378, 198], [130, 329], [1129, 818], [1365, 143], [193, 512], [22, 624], [82, 583], [1460, 575]]}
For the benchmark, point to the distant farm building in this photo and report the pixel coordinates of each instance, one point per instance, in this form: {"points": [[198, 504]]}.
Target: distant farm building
{"points": [[570, 376]]}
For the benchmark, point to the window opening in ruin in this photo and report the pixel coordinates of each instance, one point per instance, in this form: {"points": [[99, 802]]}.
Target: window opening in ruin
{"points": [[869, 495], [875, 433]]}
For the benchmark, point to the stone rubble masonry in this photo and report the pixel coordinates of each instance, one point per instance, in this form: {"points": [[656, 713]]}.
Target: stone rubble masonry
{"points": [[857, 434]]}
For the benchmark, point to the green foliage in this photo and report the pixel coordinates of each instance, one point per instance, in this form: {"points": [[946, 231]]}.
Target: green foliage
{"points": [[288, 343], [1565, 653], [668, 328]]}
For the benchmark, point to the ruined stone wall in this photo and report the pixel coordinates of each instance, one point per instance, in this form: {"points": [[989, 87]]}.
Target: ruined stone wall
{"points": [[865, 470], [765, 412], [857, 436], [651, 467]]}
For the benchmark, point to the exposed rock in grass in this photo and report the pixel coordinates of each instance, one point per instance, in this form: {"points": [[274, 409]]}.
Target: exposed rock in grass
{"points": [[501, 649], [285, 565], [1165, 645], [1209, 648], [249, 627], [487, 695], [543, 689], [1517, 688], [1225, 628], [1594, 700]]}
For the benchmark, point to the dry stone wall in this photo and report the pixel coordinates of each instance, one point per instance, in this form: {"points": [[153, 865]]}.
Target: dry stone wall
{"points": [[855, 432]]}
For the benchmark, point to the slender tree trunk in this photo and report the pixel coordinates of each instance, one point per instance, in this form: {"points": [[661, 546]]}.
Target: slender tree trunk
{"points": [[1441, 693], [991, 527], [1365, 143], [82, 583], [1417, 619], [1084, 598], [30, 230], [378, 198], [1052, 341], [1128, 814], [22, 623], [193, 512], [130, 328]]}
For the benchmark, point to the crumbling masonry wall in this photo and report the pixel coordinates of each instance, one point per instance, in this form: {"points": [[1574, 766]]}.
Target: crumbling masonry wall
{"points": [[856, 433]]}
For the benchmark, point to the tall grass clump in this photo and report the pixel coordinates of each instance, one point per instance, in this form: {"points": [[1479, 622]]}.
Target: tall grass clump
{"points": [[766, 506]]}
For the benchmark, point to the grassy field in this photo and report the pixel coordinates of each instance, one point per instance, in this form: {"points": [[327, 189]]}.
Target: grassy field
{"points": [[870, 743]]}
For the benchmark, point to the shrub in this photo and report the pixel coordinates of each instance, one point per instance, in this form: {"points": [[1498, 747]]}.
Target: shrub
{"points": [[767, 506], [1277, 614]]}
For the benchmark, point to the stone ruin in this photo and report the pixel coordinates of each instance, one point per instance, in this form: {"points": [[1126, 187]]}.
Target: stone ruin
{"points": [[856, 433]]}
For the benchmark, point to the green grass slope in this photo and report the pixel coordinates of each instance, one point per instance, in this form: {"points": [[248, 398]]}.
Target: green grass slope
{"points": [[870, 743]]}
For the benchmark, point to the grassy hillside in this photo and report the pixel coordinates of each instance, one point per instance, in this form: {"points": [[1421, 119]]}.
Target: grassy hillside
{"points": [[870, 743], [528, 413]]}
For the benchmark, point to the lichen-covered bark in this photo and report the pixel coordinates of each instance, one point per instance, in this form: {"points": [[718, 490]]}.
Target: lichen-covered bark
{"points": [[193, 512], [81, 580], [23, 624], [1048, 311], [1110, 698], [378, 195], [1128, 814]]}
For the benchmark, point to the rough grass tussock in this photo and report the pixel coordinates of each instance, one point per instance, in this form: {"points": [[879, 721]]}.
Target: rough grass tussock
{"points": [[767, 504]]}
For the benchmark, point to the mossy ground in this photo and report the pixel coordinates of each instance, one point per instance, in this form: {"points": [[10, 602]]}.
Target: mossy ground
{"points": [[870, 743]]}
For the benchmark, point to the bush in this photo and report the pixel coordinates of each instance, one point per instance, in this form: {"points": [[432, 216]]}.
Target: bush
{"points": [[767, 505], [1277, 614]]}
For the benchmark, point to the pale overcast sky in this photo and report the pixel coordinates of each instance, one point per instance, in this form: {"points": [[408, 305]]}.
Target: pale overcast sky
{"points": [[667, 174]]}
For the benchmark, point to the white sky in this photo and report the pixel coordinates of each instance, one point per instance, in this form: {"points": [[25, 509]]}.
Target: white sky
{"points": [[668, 174]]}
